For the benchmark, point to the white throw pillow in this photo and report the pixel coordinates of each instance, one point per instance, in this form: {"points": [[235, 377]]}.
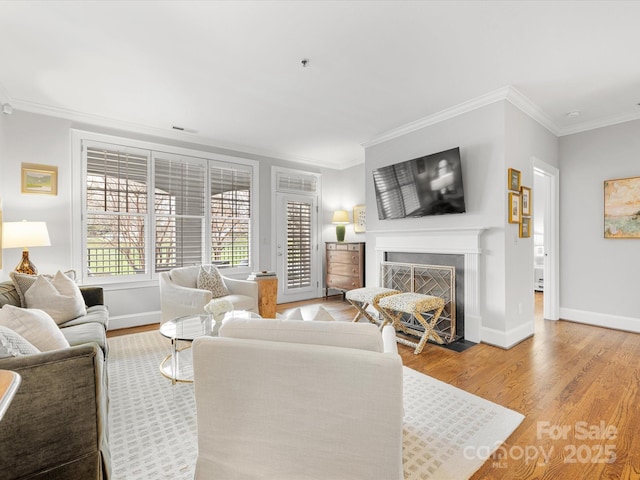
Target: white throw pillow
{"points": [[23, 282], [209, 278], [36, 326], [14, 345], [60, 298], [322, 315], [295, 314]]}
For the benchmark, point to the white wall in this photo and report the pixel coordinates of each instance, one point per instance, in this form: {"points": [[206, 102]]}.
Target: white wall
{"points": [[42, 139], [598, 276], [524, 140], [491, 139], [342, 190]]}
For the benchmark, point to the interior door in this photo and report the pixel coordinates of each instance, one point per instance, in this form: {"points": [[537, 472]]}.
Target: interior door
{"points": [[296, 247]]}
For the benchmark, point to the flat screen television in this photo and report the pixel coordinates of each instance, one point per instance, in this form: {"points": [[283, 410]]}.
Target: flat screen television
{"points": [[429, 185]]}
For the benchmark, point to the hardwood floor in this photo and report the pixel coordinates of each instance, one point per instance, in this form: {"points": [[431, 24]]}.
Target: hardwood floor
{"points": [[578, 386]]}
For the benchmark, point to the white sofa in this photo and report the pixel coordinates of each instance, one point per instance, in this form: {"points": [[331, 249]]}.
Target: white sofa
{"points": [[295, 400], [179, 295]]}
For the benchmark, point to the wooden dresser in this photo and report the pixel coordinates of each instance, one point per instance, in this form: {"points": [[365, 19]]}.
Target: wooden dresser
{"points": [[345, 266]]}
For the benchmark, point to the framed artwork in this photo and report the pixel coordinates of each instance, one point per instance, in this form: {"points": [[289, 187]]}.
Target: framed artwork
{"points": [[622, 208], [39, 179], [525, 196], [514, 207], [525, 227], [360, 218], [514, 179]]}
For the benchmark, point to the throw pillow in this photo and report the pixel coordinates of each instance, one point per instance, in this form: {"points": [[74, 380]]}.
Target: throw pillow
{"points": [[295, 314], [36, 326], [209, 278], [14, 345], [23, 282], [60, 298], [322, 315]]}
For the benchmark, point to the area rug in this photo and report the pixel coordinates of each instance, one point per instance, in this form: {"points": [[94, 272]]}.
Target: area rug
{"points": [[448, 433]]}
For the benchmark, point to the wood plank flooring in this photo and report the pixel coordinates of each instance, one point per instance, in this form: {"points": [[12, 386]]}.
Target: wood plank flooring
{"points": [[578, 386]]}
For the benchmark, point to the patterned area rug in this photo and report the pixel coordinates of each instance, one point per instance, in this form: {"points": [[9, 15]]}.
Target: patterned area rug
{"points": [[448, 433]]}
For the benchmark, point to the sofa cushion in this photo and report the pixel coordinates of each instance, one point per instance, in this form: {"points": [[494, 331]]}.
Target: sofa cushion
{"points": [[241, 302], [23, 282], [14, 345], [209, 278], [36, 326], [86, 333], [59, 297], [96, 314], [363, 336]]}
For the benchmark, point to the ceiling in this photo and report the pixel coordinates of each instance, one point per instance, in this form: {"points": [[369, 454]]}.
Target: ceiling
{"points": [[231, 74]]}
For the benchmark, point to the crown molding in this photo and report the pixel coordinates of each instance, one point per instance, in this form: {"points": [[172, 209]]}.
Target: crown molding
{"points": [[518, 100], [465, 107], [105, 122], [604, 122]]}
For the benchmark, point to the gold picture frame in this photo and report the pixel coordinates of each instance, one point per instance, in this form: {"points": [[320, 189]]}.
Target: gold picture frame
{"points": [[360, 218], [525, 200], [525, 227], [514, 207], [514, 180], [39, 179]]}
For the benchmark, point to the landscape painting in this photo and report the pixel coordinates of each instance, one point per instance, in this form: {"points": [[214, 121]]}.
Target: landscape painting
{"points": [[622, 208]]}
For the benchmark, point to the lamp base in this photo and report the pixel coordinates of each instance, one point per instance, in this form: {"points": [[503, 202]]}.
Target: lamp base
{"points": [[25, 266], [340, 231]]}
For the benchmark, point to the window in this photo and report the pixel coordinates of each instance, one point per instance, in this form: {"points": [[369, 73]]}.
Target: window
{"points": [[146, 211]]}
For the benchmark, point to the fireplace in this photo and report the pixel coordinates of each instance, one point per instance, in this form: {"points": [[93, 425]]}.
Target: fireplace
{"points": [[454, 247], [440, 275]]}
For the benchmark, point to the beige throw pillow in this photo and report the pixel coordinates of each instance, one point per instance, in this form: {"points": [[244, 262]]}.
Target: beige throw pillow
{"points": [[60, 298], [209, 278], [36, 326], [23, 282], [295, 314]]}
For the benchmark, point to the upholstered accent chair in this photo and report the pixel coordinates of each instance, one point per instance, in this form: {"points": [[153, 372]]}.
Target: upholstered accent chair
{"points": [[291, 399], [180, 296]]}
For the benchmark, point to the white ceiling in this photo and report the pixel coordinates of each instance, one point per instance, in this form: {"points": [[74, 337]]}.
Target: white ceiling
{"points": [[231, 71]]}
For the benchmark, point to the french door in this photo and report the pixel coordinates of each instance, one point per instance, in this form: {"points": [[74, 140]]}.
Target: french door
{"points": [[297, 262]]}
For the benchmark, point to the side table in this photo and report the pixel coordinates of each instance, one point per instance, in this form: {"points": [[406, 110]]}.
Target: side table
{"points": [[267, 294]]}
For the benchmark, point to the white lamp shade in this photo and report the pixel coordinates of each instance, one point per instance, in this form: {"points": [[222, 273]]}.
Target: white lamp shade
{"points": [[25, 234], [340, 217]]}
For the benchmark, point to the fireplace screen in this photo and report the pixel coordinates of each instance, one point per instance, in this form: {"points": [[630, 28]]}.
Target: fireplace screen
{"points": [[435, 280]]}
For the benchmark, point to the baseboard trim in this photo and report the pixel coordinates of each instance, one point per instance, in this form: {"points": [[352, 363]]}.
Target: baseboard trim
{"points": [[134, 320], [509, 338], [617, 322]]}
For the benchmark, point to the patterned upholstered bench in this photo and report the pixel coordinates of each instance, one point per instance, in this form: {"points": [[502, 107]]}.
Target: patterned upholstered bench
{"points": [[361, 298], [393, 306]]}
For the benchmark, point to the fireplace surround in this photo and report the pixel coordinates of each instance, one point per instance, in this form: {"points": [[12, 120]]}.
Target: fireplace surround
{"points": [[463, 241]]}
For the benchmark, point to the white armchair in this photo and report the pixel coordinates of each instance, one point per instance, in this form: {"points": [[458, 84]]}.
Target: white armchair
{"points": [[286, 399], [179, 295]]}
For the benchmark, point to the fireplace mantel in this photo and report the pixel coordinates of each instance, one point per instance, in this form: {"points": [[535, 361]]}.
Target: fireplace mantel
{"points": [[461, 240]]}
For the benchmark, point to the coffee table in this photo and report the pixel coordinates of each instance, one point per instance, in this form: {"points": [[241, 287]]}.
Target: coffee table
{"points": [[178, 365]]}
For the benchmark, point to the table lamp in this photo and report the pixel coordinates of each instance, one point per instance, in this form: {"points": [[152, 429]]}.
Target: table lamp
{"points": [[340, 219], [24, 235]]}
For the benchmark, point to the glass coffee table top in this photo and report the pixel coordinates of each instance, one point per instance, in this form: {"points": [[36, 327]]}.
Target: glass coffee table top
{"points": [[178, 365]]}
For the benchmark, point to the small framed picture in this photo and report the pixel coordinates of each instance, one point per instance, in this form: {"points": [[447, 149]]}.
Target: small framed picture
{"points": [[514, 179], [359, 218], [525, 196], [514, 207], [525, 227], [39, 179]]}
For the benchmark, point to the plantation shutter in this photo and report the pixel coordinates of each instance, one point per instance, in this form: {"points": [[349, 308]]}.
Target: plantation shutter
{"points": [[299, 244], [116, 211], [230, 215], [179, 203]]}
